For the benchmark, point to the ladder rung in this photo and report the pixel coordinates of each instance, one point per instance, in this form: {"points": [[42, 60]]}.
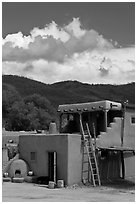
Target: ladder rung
{"points": [[85, 171], [94, 165], [86, 162], [90, 152]]}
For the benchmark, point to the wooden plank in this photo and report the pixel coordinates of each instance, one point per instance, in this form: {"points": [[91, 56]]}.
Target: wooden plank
{"points": [[55, 167]]}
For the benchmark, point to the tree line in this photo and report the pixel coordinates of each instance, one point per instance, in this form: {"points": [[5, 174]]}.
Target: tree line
{"points": [[32, 112]]}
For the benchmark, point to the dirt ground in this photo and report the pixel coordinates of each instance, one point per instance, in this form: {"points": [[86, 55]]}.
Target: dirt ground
{"points": [[26, 192]]}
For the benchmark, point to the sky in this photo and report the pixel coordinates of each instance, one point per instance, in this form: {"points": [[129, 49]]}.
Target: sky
{"points": [[92, 42]]}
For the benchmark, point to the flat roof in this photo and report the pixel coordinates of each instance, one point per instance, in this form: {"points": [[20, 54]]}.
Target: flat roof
{"points": [[90, 106], [117, 148], [50, 135]]}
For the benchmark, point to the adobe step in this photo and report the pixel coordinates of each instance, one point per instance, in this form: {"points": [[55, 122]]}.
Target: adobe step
{"points": [[112, 124], [103, 134], [109, 128], [116, 119]]}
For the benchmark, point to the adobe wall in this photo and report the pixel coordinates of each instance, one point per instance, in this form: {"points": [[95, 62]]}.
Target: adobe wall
{"points": [[129, 141], [130, 168], [42, 144], [113, 135], [4, 155], [129, 132], [74, 159], [68, 154]]}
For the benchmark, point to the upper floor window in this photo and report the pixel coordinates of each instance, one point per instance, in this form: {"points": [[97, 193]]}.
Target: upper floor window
{"points": [[133, 120]]}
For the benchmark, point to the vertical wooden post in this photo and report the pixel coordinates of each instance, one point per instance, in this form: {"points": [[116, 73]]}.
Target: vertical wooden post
{"points": [[123, 122], [60, 122], [122, 137], [123, 165], [82, 144], [55, 166], [105, 120], [122, 130], [94, 133], [80, 120]]}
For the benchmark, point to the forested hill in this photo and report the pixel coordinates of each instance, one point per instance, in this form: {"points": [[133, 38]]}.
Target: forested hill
{"points": [[31, 105], [71, 91]]}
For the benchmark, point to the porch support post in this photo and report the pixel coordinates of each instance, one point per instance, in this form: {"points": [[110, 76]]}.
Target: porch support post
{"points": [[60, 122], [81, 125], [80, 120], [122, 165], [105, 120]]}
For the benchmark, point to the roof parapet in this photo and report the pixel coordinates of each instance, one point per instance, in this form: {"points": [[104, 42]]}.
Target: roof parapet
{"points": [[90, 106]]}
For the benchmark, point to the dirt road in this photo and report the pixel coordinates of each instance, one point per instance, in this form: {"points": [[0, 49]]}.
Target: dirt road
{"points": [[26, 192]]}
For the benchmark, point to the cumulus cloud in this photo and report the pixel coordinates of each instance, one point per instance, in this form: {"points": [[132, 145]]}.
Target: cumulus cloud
{"points": [[70, 52]]}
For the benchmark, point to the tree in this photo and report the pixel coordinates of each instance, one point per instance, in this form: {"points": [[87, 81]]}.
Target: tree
{"points": [[17, 117], [29, 113], [9, 97], [40, 102], [44, 111]]}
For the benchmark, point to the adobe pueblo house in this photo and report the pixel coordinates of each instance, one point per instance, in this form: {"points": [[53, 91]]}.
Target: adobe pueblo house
{"points": [[111, 129], [95, 143]]}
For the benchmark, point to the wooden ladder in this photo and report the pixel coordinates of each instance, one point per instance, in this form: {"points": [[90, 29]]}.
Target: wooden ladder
{"points": [[90, 171]]}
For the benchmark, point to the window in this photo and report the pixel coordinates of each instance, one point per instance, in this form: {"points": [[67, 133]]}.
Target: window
{"points": [[133, 120], [33, 156]]}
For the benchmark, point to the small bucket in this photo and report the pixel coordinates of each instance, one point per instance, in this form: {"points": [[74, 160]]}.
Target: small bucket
{"points": [[60, 183], [51, 184]]}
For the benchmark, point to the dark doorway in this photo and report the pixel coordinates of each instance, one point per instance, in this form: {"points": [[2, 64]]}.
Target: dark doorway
{"points": [[52, 158], [100, 122]]}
